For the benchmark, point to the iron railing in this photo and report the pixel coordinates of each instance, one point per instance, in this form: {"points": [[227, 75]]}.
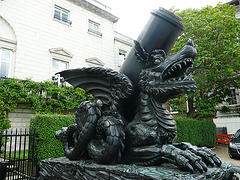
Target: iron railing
{"points": [[17, 157]]}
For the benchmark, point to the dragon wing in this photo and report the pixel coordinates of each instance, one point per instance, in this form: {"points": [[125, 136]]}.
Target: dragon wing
{"points": [[104, 84]]}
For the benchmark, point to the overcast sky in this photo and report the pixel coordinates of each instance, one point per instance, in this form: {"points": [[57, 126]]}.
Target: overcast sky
{"points": [[134, 14]]}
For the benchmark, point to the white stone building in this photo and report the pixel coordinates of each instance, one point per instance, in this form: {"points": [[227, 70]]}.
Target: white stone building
{"points": [[39, 38]]}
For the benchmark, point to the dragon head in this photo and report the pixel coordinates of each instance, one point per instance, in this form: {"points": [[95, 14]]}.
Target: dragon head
{"points": [[169, 76]]}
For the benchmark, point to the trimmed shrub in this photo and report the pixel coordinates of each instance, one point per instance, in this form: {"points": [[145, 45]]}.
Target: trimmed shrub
{"points": [[199, 133], [45, 127]]}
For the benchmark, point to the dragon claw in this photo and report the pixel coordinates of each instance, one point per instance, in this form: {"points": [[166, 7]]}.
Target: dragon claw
{"points": [[210, 161], [217, 161], [189, 161], [199, 158], [198, 167], [189, 167], [208, 157], [204, 166]]}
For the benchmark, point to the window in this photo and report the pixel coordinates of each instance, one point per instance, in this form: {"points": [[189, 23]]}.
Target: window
{"points": [[121, 57], [62, 15], [60, 59], [233, 97], [173, 109], [94, 28], [58, 66], [5, 62]]}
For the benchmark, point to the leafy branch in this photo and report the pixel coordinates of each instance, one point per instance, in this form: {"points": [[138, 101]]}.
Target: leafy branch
{"points": [[43, 97]]}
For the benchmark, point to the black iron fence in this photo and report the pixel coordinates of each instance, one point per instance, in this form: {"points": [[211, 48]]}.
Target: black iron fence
{"points": [[17, 155]]}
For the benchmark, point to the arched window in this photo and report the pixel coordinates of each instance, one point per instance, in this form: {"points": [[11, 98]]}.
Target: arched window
{"points": [[8, 44]]}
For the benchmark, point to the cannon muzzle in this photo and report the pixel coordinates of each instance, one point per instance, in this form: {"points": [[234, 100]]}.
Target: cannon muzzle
{"points": [[160, 32]]}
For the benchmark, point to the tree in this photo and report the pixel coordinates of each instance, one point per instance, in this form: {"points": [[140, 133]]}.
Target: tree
{"points": [[216, 33]]}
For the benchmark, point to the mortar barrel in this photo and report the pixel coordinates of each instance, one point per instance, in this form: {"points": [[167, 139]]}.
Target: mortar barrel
{"points": [[161, 31]]}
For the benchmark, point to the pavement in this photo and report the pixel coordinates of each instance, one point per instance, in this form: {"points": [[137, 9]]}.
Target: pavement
{"points": [[222, 152]]}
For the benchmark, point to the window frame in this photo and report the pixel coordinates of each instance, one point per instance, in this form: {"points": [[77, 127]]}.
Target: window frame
{"points": [[60, 16], [59, 60], [172, 109], [10, 61], [233, 97], [91, 28], [120, 62]]}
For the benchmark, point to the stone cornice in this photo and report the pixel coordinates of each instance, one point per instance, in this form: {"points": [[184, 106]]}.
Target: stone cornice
{"points": [[92, 8], [8, 40], [233, 2], [122, 41], [61, 51], [95, 60]]}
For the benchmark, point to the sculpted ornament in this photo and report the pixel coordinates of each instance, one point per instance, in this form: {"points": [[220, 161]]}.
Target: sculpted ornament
{"points": [[101, 131], [127, 121]]}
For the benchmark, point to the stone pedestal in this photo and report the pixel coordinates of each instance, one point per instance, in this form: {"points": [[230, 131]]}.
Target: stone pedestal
{"points": [[62, 168]]}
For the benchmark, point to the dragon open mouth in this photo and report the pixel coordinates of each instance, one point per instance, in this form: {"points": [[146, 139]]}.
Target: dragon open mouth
{"points": [[170, 75], [179, 71]]}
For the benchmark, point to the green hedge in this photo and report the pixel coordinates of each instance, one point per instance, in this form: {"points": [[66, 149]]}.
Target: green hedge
{"points": [[199, 133], [45, 126]]}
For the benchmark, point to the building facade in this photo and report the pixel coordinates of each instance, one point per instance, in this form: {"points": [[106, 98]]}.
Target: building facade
{"points": [[40, 38]]}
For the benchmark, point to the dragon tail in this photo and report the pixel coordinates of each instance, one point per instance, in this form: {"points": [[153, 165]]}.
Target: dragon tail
{"points": [[108, 146]]}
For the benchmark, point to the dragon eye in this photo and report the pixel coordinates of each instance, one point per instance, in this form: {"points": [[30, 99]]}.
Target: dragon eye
{"points": [[157, 61]]}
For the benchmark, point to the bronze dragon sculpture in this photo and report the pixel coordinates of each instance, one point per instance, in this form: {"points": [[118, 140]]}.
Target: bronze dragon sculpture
{"points": [[102, 132]]}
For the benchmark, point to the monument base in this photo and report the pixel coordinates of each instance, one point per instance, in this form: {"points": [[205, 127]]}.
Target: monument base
{"points": [[62, 168]]}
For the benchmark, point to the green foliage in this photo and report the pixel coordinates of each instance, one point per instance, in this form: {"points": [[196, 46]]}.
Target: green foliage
{"points": [[45, 127], [225, 109], [206, 106], [16, 155], [42, 97], [199, 133], [176, 104], [215, 31]]}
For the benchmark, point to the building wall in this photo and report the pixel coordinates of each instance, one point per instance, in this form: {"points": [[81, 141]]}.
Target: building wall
{"points": [[238, 11], [20, 118], [231, 123], [37, 32], [121, 43], [29, 29]]}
